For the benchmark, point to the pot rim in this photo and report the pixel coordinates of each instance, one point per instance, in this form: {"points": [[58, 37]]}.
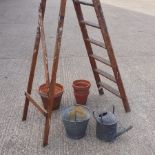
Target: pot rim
{"points": [[62, 114], [45, 95], [74, 85]]}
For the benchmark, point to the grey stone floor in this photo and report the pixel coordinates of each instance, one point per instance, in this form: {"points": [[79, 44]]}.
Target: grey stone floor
{"points": [[133, 37]]}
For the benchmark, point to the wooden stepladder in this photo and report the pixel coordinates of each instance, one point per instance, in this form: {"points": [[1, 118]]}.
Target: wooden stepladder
{"points": [[51, 81]]}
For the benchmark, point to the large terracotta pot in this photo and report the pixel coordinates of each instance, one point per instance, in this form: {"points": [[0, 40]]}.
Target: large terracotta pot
{"points": [[81, 91], [43, 90]]}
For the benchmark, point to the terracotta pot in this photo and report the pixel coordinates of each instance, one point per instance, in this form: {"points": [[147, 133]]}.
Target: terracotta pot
{"points": [[81, 91], [43, 90]]}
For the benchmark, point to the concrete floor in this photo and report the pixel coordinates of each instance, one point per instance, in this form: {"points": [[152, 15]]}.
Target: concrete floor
{"points": [[142, 6], [133, 36]]}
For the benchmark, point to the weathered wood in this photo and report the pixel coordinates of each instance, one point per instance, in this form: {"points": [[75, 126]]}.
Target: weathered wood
{"points": [[33, 64], [110, 89], [95, 42], [84, 3], [43, 43], [54, 69], [98, 58], [106, 75], [41, 109], [31, 76], [87, 43], [108, 44], [90, 24]]}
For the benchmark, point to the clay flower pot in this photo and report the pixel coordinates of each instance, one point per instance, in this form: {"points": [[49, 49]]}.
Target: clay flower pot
{"points": [[81, 91], [43, 90]]}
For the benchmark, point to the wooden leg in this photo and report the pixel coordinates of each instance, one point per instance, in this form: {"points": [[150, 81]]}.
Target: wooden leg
{"points": [[54, 70], [101, 92], [34, 60], [126, 104], [46, 130], [31, 76], [25, 109], [44, 50]]}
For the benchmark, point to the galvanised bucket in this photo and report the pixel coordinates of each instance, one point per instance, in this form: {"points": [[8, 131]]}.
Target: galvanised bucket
{"points": [[75, 119]]}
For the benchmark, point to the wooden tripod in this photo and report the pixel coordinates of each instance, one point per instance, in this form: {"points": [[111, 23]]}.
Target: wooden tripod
{"points": [[50, 82]]}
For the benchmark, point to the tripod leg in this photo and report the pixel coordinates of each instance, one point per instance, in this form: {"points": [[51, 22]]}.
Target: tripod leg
{"points": [[46, 130], [33, 64], [31, 76], [54, 70]]}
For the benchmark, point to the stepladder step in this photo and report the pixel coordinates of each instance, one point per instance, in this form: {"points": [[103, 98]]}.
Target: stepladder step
{"points": [[95, 42], [100, 59], [110, 89], [90, 24], [105, 74], [84, 3]]}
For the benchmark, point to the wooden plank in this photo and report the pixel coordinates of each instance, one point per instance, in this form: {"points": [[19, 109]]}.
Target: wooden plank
{"points": [[84, 3], [90, 24], [41, 109], [95, 42], [102, 60], [110, 89], [105, 74]]}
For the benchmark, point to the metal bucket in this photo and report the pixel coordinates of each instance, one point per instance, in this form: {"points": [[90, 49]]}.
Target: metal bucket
{"points": [[75, 119]]}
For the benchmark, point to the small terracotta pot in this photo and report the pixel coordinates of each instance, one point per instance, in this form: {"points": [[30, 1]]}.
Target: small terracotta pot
{"points": [[81, 91], [43, 90]]}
